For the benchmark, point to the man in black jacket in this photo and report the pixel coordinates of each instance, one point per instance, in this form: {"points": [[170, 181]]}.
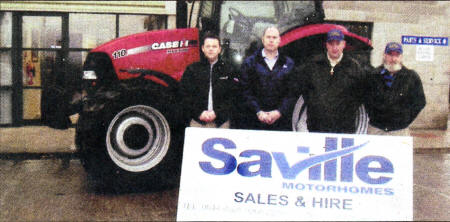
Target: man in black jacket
{"points": [[332, 86], [207, 88], [395, 95]]}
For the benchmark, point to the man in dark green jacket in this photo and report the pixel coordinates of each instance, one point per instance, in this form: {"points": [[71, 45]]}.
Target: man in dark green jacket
{"points": [[394, 95], [332, 85], [208, 88]]}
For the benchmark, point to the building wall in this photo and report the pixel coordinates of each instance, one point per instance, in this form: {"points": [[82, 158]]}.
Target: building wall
{"points": [[391, 20], [135, 7]]}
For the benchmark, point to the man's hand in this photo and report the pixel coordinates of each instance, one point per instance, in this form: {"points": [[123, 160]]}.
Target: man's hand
{"points": [[207, 116], [269, 117], [274, 115], [262, 116]]}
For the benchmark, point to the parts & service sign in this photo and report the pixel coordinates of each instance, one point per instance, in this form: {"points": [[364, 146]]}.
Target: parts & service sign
{"points": [[236, 175]]}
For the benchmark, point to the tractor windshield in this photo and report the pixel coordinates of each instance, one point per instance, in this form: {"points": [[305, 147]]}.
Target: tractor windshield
{"points": [[242, 22]]}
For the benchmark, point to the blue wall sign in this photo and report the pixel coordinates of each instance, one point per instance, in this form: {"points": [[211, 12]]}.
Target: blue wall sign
{"points": [[423, 40]]}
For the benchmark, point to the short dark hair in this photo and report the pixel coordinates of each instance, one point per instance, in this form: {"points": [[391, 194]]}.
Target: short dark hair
{"points": [[210, 35], [270, 27]]}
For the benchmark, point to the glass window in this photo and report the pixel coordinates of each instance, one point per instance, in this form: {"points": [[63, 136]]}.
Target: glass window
{"points": [[31, 68], [5, 69], [5, 29], [46, 70], [51, 69], [32, 104], [5, 106], [138, 24], [206, 9], [41, 32], [91, 30], [75, 66], [156, 22], [141, 23]]}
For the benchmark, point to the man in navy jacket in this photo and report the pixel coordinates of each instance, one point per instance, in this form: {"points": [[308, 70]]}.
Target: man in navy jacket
{"points": [[264, 81]]}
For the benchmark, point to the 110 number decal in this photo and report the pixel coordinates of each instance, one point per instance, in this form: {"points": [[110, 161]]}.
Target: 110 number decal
{"points": [[119, 53]]}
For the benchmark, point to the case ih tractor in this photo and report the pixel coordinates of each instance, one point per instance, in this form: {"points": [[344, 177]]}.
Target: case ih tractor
{"points": [[131, 124]]}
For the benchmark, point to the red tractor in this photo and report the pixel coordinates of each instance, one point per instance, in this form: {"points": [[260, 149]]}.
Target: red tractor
{"points": [[131, 126]]}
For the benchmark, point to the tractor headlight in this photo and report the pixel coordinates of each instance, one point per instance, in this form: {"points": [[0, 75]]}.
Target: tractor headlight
{"points": [[89, 75]]}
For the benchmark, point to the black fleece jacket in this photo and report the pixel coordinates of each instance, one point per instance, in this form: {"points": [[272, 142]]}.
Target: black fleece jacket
{"points": [[332, 101], [395, 107], [194, 87]]}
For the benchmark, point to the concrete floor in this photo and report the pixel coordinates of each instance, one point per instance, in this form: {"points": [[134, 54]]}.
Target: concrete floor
{"points": [[45, 190], [37, 185], [52, 190], [432, 186], [41, 139]]}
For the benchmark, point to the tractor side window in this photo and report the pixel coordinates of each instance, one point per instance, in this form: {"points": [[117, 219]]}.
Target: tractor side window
{"points": [[295, 13], [244, 22], [207, 20], [207, 9]]}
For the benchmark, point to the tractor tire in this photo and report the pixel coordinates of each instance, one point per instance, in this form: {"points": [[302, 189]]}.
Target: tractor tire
{"points": [[132, 150], [299, 117]]}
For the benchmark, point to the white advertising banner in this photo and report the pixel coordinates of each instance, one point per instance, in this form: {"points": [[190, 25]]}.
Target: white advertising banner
{"points": [[237, 175]]}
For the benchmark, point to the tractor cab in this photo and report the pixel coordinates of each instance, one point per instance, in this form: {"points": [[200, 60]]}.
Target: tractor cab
{"points": [[240, 24]]}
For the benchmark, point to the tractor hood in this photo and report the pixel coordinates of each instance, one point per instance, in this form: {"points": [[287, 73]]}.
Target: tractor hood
{"points": [[304, 42], [319, 31], [164, 51]]}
